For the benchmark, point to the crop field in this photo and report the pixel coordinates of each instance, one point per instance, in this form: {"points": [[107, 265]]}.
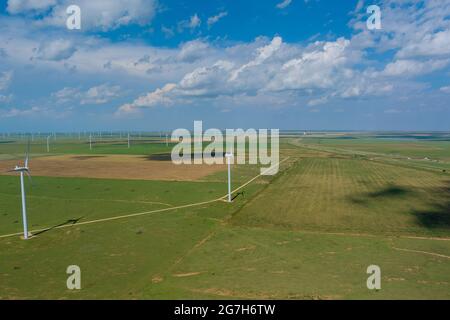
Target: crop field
{"points": [[114, 166], [152, 230]]}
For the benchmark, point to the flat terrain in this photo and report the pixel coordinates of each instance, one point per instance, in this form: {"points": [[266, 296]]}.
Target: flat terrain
{"points": [[310, 232], [342, 194], [113, 167]]}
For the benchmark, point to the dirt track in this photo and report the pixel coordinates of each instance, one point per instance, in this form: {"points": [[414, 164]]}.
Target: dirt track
{"points": [[113, 167]]}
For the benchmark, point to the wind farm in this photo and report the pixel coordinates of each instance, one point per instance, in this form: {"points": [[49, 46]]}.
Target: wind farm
{"points": [[242, 152], [179, 231]]}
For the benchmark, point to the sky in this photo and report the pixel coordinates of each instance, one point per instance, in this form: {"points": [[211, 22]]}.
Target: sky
{"points": [[285, 64]]}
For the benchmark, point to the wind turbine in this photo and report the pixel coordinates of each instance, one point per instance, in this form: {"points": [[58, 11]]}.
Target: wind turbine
{"points": [[48, 143], [229, 155], [24, 170], [128, 140]]}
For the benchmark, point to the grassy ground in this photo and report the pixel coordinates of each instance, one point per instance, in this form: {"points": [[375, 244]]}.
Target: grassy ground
{"points": [[308, 233], [417, 148], [17, 148], [350, 195]]}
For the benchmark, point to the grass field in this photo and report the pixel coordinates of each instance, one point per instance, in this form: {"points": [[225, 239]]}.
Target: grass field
{"points": [[309, 232]]}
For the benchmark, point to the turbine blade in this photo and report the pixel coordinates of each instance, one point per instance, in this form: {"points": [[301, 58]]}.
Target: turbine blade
{"points": [[27, 172], [27, 155]]}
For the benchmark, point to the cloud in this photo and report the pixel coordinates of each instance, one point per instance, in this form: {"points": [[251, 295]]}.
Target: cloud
{"points": [[274, 70], [96, 15], [284, 4], [193, 23], [168, 32], [445, 89], [413, 67], [90, 55], [410, 28], [318, 68], [318, 101], [359, 6], [192, 51], [207, 81], [413, 42], [26, 6], [6, 99], [214, 19], [33, 112], [154, 98], [96, 95], [220, 78], [5, 79], [15, 112], [362, 86], [430, 45], [101, 94], [66, 94], [263, 54], [56, 50]]}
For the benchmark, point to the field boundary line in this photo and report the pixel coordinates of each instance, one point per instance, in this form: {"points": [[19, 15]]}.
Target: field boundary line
{"points": [[88, 199], [146, 212], [423, 252]]}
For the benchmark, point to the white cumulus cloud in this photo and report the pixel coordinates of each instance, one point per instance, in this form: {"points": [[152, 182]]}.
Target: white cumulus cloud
{"points": [[96, 15], [284, 4], [95, 95]]}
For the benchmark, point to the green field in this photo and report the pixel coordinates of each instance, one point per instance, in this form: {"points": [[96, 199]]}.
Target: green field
{"points": [[70, 146], [310, 232]]}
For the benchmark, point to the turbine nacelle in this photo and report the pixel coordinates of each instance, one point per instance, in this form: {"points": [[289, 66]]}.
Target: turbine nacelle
{"points": [[21, 169]]}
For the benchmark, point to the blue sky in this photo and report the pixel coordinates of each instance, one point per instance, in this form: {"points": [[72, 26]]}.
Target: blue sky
{"points": [[160, 65]]}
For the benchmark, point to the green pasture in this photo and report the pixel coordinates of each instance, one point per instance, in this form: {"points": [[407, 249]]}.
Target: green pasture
{"points": [[310, 232], [419, 149]]}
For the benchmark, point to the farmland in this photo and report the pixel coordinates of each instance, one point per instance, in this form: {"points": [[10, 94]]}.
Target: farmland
{"points": [[336, 206]]}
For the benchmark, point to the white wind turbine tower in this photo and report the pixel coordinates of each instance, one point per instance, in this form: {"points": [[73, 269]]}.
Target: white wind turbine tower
{"points": [[128, 140], [229, 156], [48, 143], [24, 170]]}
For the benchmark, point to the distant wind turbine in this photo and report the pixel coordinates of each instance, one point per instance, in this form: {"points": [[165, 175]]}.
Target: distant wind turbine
{"points": [[229, 155], [48, 143]]}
